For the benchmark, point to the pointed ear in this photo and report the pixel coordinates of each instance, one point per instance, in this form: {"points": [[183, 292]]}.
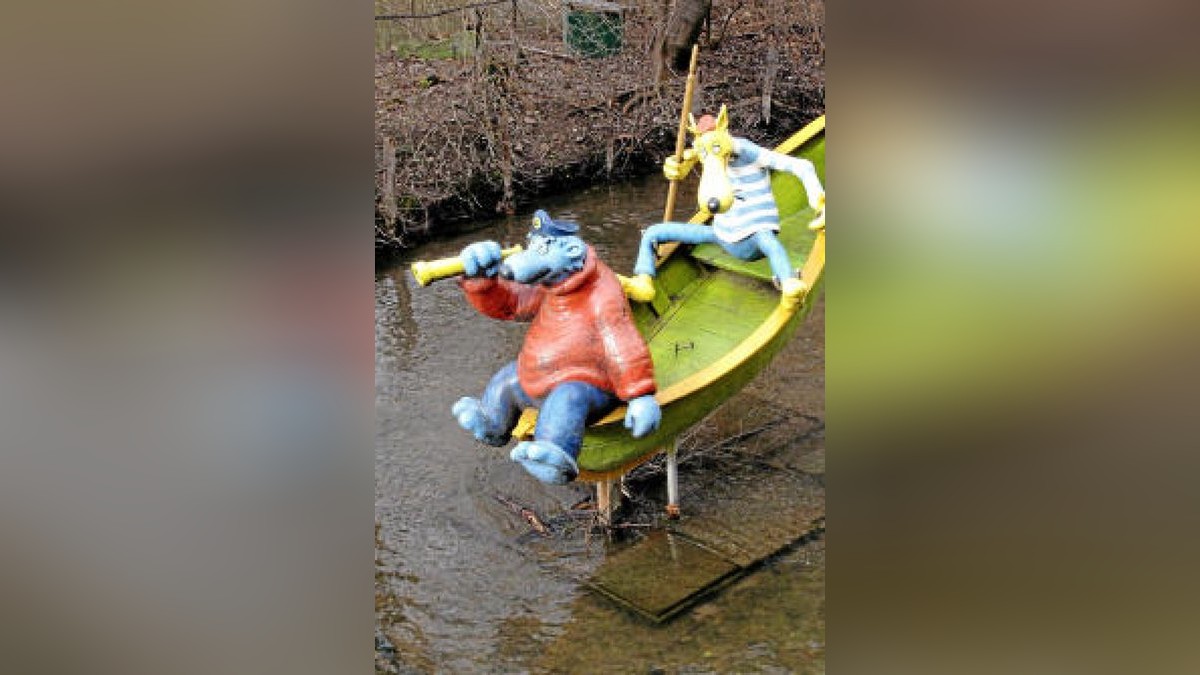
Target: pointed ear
{"points": [[691, 127], [723, 119]]}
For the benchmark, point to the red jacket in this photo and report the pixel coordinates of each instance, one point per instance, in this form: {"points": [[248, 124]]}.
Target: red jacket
{"points": [[582, 331]]}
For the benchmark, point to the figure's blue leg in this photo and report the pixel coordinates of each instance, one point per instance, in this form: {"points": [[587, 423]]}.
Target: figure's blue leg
{"points": [[745, 249], [781, 264], [567, 410], [492, 418], [687, 233], [550, 457]]}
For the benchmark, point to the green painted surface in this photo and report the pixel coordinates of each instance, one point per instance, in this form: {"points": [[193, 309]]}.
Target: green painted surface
{"points": [[708, 303], [720, 312], [610, 446]]}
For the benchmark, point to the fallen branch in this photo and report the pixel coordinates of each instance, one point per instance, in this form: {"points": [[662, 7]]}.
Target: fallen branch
{"points": [[608, 103], [544, 52], [527, 514], [443, 12]]}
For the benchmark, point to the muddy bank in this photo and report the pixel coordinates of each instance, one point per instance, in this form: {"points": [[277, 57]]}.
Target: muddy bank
{"points": [[463, 139]]}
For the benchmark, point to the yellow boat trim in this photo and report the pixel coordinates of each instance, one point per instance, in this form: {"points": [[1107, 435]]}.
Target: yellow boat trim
{"points": [[801, 137], [810, 274]]}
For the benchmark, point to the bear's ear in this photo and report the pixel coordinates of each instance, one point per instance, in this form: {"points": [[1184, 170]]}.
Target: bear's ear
{"points": [[723, 119]]}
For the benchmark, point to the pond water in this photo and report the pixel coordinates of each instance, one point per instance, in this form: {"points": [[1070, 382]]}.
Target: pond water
{"points": [[460, 587]]}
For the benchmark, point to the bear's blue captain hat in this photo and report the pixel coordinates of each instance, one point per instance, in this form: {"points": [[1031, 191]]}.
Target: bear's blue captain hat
{"points": [[546, 226]]}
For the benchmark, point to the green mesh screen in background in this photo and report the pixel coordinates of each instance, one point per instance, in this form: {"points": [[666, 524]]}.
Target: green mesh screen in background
{"points": [[593, 29]]}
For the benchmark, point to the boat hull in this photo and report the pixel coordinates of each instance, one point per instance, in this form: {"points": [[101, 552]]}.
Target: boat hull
{"points": [[715, 324], [609, 450]]}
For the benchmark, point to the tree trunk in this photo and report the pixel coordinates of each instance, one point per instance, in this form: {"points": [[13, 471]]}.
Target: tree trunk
{"points": [[388, 203], [683, 27]]}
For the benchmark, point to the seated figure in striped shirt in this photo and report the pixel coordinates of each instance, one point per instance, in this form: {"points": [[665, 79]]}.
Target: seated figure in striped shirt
{"points": [[735, 186]]}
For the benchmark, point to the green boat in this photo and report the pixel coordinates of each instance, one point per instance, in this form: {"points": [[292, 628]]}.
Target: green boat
{"points": [[715, 323]]}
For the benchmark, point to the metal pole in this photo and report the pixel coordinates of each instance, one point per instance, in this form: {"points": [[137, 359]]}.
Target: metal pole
{"points": [[673, 480]]}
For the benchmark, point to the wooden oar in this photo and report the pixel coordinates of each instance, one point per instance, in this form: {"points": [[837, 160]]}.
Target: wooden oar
{"points": [[636, 290], [681, 136]]}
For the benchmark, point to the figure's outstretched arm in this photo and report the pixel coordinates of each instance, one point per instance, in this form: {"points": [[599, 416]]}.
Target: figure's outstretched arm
{"points": [[629, 366], [797, 166], [497, 298], [627, 358]]}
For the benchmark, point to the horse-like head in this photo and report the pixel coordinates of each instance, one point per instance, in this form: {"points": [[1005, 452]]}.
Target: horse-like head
{"points": [[713, 145]]}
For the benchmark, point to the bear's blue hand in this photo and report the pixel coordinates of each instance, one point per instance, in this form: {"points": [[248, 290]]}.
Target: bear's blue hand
{"points": [[643, 415], [481, 259]]}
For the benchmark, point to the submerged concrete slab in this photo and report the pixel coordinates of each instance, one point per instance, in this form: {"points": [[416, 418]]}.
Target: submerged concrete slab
{"points": [[662, 575], [778, 511], [754, 488]]}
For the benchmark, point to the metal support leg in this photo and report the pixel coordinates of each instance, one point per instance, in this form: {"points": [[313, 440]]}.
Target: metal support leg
{"points": [[673, 480]]}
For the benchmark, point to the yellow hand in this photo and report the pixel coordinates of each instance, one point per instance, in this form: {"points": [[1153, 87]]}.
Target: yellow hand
{"points": [[639, 287], [676, 169]]}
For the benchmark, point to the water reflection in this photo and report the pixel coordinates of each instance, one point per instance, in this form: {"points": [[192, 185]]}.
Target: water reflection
{"points": [[396, 330]]}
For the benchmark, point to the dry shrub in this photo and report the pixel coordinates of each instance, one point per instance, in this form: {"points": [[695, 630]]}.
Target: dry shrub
{"points": [[486, 106]]}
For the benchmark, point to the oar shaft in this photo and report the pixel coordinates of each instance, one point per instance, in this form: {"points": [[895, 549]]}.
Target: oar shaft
{"points": [[681, 136], [429, 271]]}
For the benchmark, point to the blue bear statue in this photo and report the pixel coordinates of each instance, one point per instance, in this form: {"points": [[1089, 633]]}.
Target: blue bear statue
{"points": [[582, 356]]}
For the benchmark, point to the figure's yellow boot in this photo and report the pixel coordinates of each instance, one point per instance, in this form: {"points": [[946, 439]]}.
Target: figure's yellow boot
{"points": [[818, 223], [639, 288], [793, 290]]}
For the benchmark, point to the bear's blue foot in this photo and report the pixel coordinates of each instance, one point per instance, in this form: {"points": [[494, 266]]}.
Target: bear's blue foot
{"points": [[469, 413], [546, 462]]}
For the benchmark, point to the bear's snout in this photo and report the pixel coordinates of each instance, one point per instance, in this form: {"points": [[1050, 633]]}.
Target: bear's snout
{"points": [[528, 267], [548, 260]]}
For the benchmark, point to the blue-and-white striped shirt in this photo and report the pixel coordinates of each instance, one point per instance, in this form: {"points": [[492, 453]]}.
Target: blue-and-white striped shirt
{"points": [[754, 206]]}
